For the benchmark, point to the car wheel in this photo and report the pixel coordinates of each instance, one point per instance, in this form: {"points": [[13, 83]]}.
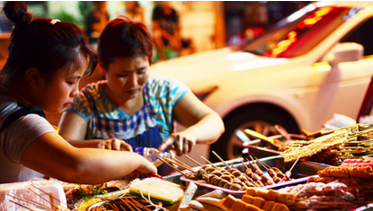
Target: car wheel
{"points": [[260, 119]]}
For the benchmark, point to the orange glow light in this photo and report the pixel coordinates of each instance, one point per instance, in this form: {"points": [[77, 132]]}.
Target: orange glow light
{"points": [[284, 44], [315, 17]]}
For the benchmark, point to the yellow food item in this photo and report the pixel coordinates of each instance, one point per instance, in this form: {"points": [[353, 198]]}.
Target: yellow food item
{"points": [[89, 203], [158, 189]]}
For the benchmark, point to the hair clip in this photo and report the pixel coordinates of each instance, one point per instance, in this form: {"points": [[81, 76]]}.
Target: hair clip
{"points": [[54, 21]]}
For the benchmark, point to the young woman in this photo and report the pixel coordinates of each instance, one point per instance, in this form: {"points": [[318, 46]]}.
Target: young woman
{"points": [[133, 106], [47, 59]]}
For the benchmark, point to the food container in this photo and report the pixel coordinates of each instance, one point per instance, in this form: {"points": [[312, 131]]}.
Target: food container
{"points": [[34, 194], [300, 173]]}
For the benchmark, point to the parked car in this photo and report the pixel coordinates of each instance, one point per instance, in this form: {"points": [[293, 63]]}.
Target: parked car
{"points": [[312, 64]]}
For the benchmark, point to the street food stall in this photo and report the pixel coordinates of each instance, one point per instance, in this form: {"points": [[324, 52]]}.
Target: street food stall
{"points": [[328, 170]]}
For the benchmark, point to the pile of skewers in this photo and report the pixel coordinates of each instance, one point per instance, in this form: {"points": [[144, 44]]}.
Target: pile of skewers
{"points": [[230, 177], [128, 203]]}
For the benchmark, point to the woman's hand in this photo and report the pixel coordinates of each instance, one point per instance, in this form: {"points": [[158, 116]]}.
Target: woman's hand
{"points": [[181, 142], [115, 144]]}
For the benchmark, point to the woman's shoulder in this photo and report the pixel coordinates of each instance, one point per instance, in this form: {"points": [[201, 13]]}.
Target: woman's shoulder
{"points": [[7, 104], [164, 84], [92, 88]]}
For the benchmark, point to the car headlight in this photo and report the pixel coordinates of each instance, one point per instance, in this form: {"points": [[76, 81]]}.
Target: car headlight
{"points": [[203, 93]]}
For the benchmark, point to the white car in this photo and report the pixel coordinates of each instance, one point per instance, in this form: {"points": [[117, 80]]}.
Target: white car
{"points": [[310, 65]]}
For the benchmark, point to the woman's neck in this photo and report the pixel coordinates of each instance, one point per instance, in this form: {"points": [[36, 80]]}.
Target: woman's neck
{"points": [[127, 105], [18, 91]]}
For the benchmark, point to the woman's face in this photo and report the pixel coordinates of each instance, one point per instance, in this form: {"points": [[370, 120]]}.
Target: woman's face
{"points": [[127, 77], [64, 87]]}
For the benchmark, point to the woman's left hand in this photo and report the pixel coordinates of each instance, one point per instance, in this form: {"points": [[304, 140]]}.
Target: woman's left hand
{"points": [[181, 142], [115, 144]]}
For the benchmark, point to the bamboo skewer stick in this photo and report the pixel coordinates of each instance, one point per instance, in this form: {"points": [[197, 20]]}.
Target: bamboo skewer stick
{"points": [[55, 198], [252, 159], [242, 160], [52, 205], [161, 159], [196, 162], [127, 205], [293, 165], [208, 162], [37, 204], [221, 159], [181, 164], [21, 205], [138, 204], [261, 163]]}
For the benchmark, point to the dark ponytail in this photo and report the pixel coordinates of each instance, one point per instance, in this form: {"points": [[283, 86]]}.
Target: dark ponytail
{"points": [[44, 44], [17, 13]]}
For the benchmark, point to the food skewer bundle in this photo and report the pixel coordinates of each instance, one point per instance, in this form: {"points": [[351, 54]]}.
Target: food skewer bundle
{"points": [[128, 203], [230, 177], [331, 147]]}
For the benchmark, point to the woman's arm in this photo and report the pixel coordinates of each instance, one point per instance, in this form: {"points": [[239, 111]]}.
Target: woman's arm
{"points": [[203, 125], [73, 128], [51, 155]]}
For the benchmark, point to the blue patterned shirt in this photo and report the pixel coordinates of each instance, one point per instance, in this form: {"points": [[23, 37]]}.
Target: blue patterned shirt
{"points": [[105, 120]]}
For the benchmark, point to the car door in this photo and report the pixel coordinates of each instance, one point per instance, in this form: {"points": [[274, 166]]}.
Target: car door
{"points": [[343, 85], [355, 76]]}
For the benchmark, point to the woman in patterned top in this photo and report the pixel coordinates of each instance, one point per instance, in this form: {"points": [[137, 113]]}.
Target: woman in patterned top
{"points": [[133, 107]]}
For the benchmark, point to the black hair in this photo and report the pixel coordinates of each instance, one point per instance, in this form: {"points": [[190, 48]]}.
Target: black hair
{"points": [[123, 38], [44, 44]]}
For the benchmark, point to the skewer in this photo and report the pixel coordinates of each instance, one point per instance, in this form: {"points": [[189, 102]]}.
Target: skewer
{"points": [[138, 204], [208, 162], [221, 159], [54, 198], [161, 159], [196, 162], [181, 163], [262, 163], [252, 158], [127, 205], [293, 165], [112, 206], [177, 162], [244, 163], [37, 204], [268, 166], [288, 173], [20, 205], [52, 205]]}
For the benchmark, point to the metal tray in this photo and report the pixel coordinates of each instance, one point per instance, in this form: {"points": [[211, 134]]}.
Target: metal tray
{"points": [[300, 173]]}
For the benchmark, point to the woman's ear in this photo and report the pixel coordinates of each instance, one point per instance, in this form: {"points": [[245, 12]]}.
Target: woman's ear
{"points": [[34, 77]]}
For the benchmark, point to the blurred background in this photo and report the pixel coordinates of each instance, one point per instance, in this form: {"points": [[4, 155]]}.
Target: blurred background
{"points": [[206, 25]]}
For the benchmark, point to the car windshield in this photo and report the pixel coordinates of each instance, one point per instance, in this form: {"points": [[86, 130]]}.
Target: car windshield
{"points": [[300, 32]]}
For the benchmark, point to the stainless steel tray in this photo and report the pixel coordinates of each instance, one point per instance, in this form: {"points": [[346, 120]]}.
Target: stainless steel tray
{"points": [[300, 173]]}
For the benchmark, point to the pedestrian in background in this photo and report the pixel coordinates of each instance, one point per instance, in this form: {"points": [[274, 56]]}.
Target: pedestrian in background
{"points": [[96, 21]]}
